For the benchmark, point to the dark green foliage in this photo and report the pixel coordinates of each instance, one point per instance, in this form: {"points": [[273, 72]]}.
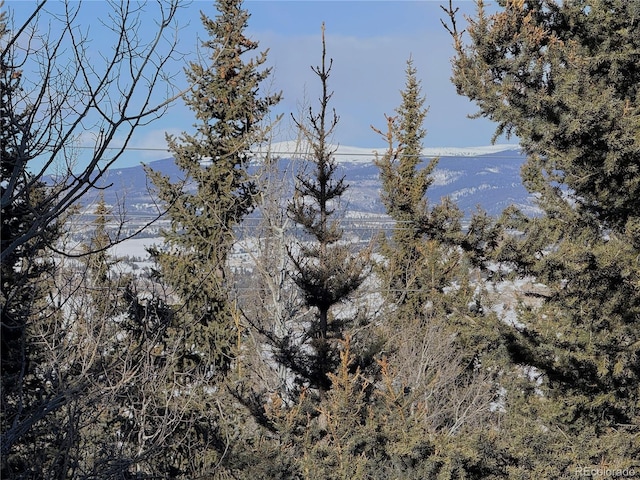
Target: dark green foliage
{"points": [[215, 195], [325, 270], [216, 192], [563, 77], [404, 184], [429, 267], [428, 251], [416, 256], [24, 275]]}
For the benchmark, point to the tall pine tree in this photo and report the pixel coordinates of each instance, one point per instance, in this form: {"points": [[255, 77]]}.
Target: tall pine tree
{"points": [[325, 270], [217, 191], [214, 196], [417, 257], [563, 77]]}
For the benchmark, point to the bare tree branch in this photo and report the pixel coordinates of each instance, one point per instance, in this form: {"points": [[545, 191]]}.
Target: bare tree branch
{"points": [[68, 93]]}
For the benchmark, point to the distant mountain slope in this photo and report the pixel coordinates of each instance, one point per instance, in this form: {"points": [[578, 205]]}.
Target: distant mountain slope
{"points": [[488, 177]]}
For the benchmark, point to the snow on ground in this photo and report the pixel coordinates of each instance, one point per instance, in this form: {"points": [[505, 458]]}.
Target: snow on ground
{"points": [[442, 177], [508, 295], [134, 247]]}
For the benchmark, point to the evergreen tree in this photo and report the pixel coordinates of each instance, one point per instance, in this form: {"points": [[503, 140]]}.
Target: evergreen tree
{"points": [[563, 77], [325, 270], [23, 274], [217, 191], [431, 270], [99, 263], [418, 254], [214, 196], [434, 300]]}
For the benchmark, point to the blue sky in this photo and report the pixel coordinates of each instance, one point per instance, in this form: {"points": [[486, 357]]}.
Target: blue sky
{"points": [[369, 42]]}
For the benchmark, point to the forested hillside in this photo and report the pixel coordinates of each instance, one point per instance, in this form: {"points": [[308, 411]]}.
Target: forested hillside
{"points": [[450, 345]]}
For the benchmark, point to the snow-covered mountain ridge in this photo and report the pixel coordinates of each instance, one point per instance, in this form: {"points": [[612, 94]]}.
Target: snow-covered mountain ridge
{"points": [[345, 153], [485, 176]]}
